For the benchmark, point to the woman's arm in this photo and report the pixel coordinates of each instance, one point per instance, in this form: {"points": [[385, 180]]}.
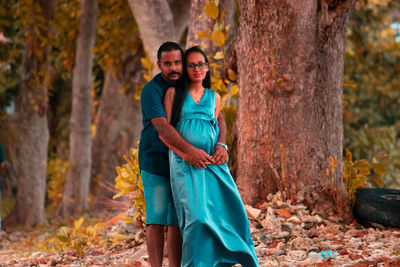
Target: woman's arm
{"points": [[168, 101], [220, 154]]}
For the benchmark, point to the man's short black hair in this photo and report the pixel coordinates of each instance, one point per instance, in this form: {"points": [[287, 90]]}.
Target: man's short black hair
{"points": [[168, 46]]}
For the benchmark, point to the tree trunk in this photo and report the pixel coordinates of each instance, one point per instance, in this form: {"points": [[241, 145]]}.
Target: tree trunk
{"points": [[31, 107], [199, 21], [76, 188], [156, 24], [118, 126], [181, 15], [290, 63]]}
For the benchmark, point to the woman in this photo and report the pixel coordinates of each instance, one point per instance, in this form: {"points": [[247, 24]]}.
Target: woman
{"points": [[211, 215]]}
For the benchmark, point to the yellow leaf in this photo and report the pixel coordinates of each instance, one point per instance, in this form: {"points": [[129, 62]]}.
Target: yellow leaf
{"points": [[379, 181], [78, 223], [218, 37], [379, 169], [219, 55], [128, 220], [202, 34], [211, 10], [348, 155], [232, 75], [362, 164], [223, 13], [234, 90]]}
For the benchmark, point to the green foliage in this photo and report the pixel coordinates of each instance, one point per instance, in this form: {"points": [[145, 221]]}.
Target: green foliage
{"points": [[65, 33], [10, 51], [371, 88], [129, 183], [357, 173], [117, 34]]}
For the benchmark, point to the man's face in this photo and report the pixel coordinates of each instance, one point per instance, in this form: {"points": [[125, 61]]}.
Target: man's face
{"points": [[170, 65]]}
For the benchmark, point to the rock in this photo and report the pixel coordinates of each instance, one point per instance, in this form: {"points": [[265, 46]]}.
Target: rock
{"points": [[139, 237], [282, 234], [315, 256], [271, 222], [376, 245], [355, 242], [297, 255], [278, 250], [311, 219], [253, 213], [301, 243], [294, 219]]}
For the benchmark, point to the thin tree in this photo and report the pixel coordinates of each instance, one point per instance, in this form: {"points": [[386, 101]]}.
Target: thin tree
{"points": [[290, 58], [76, 190], [31, 107]]}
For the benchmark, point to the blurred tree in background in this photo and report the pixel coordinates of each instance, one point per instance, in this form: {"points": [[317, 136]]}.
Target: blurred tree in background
{"points": [[372, 85]]}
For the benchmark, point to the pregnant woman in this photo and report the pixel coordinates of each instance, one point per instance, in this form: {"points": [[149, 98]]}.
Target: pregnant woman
{"points": [[211, 214]]}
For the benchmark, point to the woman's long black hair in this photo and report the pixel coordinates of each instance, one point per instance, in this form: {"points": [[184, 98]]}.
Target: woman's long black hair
{"points": [[183, 84]]}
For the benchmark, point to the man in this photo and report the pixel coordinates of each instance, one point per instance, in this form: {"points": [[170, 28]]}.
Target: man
{"points": [[2, 160], [153, 157]]}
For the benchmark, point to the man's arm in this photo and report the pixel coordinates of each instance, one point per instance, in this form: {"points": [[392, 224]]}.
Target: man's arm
{"points": [[194, 156]]}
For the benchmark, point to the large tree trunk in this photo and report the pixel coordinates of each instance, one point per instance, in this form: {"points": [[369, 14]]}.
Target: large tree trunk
{"points": [[156, 24], [76, 189], [200, 22], [181, 15], [290, 63], [118, 125], [31, 107]]}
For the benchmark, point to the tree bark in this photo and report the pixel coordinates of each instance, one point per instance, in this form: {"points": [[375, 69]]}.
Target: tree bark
{"points": [[76, 189], [181, 15], [118, 126], [156, 24], [200, 22], [290, 63], [31, 107]]}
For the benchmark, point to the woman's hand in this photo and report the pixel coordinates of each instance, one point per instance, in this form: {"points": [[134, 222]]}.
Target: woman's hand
{"points": [[198, 158], [220, 155]]}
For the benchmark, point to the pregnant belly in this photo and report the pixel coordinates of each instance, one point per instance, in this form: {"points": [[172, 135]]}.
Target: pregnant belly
{"points": [[199, 133]]}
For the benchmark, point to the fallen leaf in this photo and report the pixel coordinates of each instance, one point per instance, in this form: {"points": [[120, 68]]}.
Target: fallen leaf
{"points": [[359, 233], [354, 257], [283, 213], [272, 245]]}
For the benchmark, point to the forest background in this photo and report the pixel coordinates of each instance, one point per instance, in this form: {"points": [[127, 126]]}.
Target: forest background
{"points": [[70, 85]]}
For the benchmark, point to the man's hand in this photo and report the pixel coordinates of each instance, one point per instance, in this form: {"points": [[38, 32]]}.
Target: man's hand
{"points": [[1, 164], [220, 155], [199, 158]]}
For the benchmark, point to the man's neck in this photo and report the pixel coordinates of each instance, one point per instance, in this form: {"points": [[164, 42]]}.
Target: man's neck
{"points": [[166, 80]]}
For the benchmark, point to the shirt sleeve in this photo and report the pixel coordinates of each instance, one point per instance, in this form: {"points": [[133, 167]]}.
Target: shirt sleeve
{"points": [[152, 103]]}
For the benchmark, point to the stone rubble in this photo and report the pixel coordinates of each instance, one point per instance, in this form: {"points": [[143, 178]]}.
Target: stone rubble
{"points": [[283, 234]]}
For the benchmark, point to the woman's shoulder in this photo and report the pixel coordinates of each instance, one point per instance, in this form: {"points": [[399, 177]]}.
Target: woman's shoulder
{"points": [[213, 93]]}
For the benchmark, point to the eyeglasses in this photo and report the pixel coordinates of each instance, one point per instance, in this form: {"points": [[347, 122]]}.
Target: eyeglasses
{"points": [[193, 66]]}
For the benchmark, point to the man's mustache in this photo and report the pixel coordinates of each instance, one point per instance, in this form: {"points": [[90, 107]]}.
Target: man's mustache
{"points": [[173, 73]]}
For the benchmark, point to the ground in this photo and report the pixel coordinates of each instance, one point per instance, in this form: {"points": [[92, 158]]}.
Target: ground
{"points": [[283, 234]]}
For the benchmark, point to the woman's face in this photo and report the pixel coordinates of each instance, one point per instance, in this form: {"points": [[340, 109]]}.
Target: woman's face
{"points": [[196, 66]]}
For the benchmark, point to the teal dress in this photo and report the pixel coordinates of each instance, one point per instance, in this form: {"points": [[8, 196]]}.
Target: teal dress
{"points": [[211, 214]]}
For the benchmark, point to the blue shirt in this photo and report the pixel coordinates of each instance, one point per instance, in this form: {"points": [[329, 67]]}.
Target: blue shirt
{"points": [[153, 153]]}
